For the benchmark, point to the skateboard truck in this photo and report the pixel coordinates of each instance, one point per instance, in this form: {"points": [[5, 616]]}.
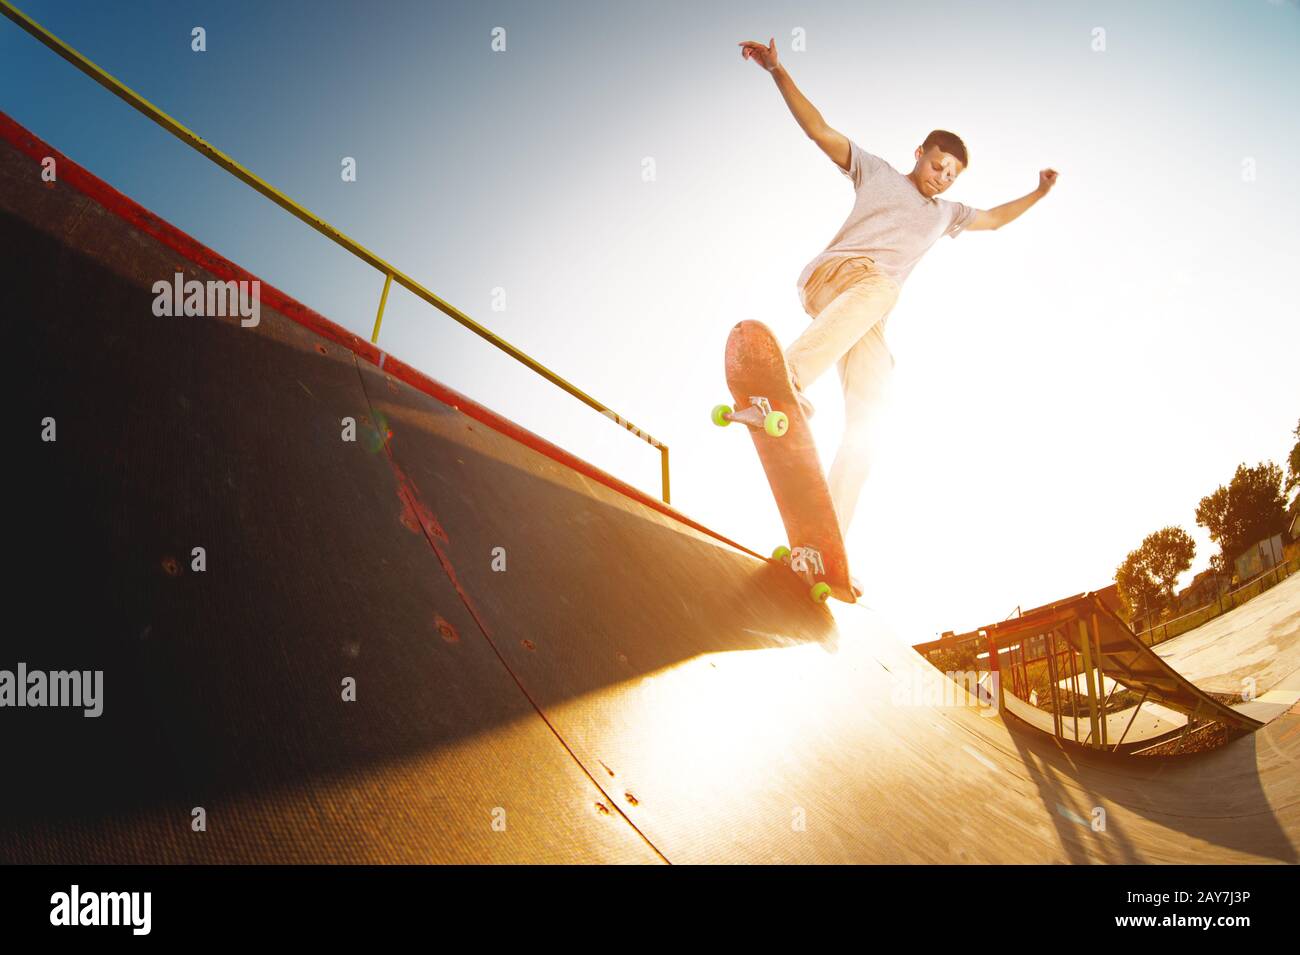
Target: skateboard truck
{"points": [[759, 416], [807, 563]]}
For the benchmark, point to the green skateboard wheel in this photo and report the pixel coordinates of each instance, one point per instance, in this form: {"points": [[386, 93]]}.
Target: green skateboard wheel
{"points": [[718, 412], [821, 592], [781, 552], [776, 424]]}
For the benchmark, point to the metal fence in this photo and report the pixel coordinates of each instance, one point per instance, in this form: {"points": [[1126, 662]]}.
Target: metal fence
{"points": [[1226, 601]]}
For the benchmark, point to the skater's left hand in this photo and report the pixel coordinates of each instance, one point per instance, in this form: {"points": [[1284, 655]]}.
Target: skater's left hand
{"points": [[1046, 180]]}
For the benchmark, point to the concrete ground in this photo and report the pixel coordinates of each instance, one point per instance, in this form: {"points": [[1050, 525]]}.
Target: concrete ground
{"points": [[1259, 641], [1154, 722]]}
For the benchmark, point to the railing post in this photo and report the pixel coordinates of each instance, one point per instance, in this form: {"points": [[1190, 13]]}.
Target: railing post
{"points": [[379, 316], [663, 463], [1090, 677], [995, 669]]}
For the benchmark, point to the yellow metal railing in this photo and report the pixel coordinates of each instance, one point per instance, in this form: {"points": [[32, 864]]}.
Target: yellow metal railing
{"points": [[1228, 600], [391, 273]]}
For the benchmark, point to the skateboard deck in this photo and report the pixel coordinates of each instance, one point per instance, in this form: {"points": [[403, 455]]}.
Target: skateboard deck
{"points": [[759, 380]]}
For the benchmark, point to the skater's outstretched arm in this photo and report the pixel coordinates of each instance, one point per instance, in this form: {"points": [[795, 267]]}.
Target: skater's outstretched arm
{"points": [[832, 142], [1001, 215]]}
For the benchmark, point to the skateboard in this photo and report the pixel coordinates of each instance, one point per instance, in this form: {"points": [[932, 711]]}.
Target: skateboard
{"points": [[759, 381]]}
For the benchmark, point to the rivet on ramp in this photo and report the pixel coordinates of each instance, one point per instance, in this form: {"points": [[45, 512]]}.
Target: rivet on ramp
{"points": [[602, 809], [527, 644], [631, 799], [171, 567], [321, 349], [447, 630]]}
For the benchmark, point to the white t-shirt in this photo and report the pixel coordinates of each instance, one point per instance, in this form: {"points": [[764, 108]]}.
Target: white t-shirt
{"points": [[891, 221]]}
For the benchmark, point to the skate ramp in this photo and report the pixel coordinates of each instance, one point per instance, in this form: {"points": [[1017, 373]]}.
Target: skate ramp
{"points": [[549, 666]]}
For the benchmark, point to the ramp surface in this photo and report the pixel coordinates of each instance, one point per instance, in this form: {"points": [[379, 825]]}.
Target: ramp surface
{"points": [[548, 666]]}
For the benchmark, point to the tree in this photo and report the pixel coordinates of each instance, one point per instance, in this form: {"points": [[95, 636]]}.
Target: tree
{"points": [[1148, 576], [1138, 592], [1293, 465], [1250, 509], [1168, 553], [955, 659], [1293, 476]]}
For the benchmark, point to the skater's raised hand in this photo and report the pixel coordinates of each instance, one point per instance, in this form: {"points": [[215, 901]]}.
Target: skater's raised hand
{"points": [[764, 56], [1046, 180]]}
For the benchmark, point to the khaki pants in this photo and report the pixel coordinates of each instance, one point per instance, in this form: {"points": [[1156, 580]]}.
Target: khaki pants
{"points": [[848, 300]]}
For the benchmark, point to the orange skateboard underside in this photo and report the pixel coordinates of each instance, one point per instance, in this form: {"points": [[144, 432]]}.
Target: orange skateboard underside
{"points": [[756, 368]]}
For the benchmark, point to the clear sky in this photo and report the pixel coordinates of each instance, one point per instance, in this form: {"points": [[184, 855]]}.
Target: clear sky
{"points": [[1064, 386]]}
